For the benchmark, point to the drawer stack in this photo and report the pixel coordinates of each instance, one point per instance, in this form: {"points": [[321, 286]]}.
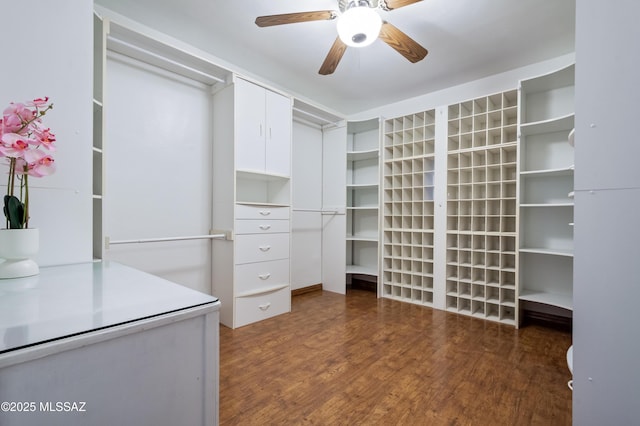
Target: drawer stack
{"points": [[262, 283]]}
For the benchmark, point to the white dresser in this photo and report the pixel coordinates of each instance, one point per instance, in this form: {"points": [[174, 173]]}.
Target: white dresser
{"points": [[104, 344], [251, 202]]}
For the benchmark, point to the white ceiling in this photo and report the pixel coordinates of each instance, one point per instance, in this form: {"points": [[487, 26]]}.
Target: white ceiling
{"points": [[466, 39]]}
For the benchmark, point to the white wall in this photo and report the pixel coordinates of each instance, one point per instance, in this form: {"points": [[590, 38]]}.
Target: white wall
{"points": [[48, 52], [306, 238], [607, 206]]}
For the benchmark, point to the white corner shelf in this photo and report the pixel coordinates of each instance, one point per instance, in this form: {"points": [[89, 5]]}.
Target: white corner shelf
{"points": [[363, 198], [548, 298]]}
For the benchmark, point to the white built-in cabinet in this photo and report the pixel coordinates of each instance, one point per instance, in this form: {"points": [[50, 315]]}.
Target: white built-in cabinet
{"points": [[363, 171], [546, 190], [251, 202]]}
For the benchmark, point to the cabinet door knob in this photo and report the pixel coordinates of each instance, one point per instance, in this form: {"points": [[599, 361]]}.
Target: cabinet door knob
{"points": [[264, 276], [264, 307], [265, 248], [265, 212], [265, 227]]}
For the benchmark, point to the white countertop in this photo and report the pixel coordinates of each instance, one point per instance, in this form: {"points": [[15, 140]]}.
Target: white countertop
{"points": [[66, 300]]}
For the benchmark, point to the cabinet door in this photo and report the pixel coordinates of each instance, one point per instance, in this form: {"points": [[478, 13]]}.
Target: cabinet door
{"points": [[250, 126], [278, 137]]}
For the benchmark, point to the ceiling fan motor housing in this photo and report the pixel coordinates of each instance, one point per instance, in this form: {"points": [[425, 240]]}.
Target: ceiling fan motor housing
{"points": [[359, 25]]}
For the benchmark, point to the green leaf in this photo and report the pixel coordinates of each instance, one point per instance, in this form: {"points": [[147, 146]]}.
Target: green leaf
{"points": [[14, 211]]}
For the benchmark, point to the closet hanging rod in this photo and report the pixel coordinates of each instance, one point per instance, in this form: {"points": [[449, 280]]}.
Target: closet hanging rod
{"points": [[108, 242], [164, 59], [323, 211]]}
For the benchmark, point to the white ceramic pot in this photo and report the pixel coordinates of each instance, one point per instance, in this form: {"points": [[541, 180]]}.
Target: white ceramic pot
{"points": [[17, 248]]}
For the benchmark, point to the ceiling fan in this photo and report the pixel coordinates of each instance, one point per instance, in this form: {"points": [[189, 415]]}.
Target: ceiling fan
{"points": [[359, 24]]}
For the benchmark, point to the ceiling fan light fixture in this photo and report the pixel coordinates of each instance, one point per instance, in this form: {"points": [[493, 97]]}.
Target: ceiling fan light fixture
{"points": [[359, 25]]}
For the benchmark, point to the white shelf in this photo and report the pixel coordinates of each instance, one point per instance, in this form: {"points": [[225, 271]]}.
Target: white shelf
{"points": [[563, 171], [260, 176], [552, 125], [361, 185], [547, 205], [362, 270], [258, 203], [362, 208], [548, 298], [548, 251], [362, 155]]}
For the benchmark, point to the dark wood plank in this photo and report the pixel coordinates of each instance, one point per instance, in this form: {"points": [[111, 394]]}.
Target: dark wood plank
{"points": [[362, 360]]}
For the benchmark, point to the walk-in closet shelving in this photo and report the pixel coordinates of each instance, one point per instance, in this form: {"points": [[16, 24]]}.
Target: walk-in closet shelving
{"points": [[408, 208], [482, 214], [363, 171], [546, 190], [100, 30]]}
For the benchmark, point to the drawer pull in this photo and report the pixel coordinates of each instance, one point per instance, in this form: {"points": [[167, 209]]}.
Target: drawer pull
{"points": [[265, 306], [265, 227], [264, 276], [265, 212], [264, 248]]}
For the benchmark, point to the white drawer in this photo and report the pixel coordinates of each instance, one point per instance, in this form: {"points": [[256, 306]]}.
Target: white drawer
{"points": [[261, 226], [261, 212], [262, 306], [251, 277], [261, 247]]}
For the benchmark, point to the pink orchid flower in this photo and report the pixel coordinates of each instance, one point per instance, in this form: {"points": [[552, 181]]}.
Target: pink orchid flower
{"points": [[14, 145], [42, 136], [38, 102], [15, 116], [38, 164]]}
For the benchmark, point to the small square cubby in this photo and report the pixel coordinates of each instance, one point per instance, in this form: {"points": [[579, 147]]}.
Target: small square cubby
{"points": [[479, 158], [466, 108], [416, 295], [453, 143], [427, 239], [427, 223], [508, 224], [493, 207], [493, 173], [494, 102], [465, 207], [464, 257], [464, 159], [480, 122], [494, 137], [479, 174], [466, 125], [509, 172], [427, 283], [480, 105], [493, 262], [492, 294], [478, 242], [427, 297], [508, 190], [479, 206], [508, 244], [396, 222], [407, 222], [509, 134], [479, 138], [406, 253], [454, 127], [452, 287], [386, 289], [494, 191], [427, 268], [507, 279], [453, 192], [416, 254], [507, 313], [493, 224], [416, 280], [465, 176], [493, 243], [479, 259], [406, 293], [509, 154], [464, 289], [452, 241], [510, 99], [492, 277], [492, 311], [452, 273], [508, 262], [478, 276], [494, 119], [477, 292], [416, 238], [464, 275], [477, 308], [508, 208], [428, 193], [452, 303], [507, 296], [465, 192], [429, 146], [464, 242], [464, 223], [478, 224], [452, 223], [453, 111], [396, 291], [464, 305]]}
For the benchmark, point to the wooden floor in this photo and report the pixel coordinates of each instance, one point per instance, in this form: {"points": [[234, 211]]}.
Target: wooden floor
{"points": [[358, 360]]}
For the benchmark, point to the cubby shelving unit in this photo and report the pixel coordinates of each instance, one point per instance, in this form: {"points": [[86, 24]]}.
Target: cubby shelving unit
{"points": [[363, 171], [100, 31], [482, 214], [408, 208], [546, 191]]}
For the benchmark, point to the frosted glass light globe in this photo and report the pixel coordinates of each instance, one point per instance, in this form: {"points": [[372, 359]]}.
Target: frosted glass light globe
{"points": [[359, 26]]}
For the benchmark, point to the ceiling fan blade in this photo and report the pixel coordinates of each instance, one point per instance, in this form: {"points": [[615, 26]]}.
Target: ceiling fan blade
{"points": [[292, 18], [333, 57], [402, 43], [397, 4]]}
